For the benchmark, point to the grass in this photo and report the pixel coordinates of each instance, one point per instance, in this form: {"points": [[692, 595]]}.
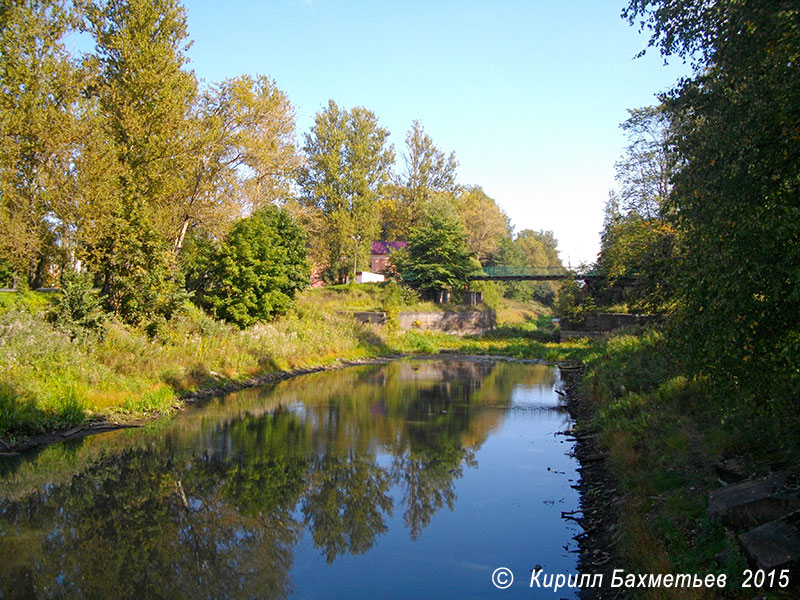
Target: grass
{"points": [[50, 381], [663, 432]]}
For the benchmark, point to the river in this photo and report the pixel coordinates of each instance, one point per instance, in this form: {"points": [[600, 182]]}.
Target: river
{"points": [[412, 479]]}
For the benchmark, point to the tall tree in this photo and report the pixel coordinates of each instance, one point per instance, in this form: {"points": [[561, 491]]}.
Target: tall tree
{"points": [[484, 221], [636, 239], [243, 157], [348, 160], [145, 97], [644, 171], [540, 249], [736, 186], [429, 171], [39, 86], [437, 257]]}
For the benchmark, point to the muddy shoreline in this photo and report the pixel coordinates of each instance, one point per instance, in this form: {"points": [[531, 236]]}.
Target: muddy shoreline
{"points": [[600, 502]]}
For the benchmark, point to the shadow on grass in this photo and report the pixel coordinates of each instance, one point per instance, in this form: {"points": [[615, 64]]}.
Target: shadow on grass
{"points": [[21, 415]]}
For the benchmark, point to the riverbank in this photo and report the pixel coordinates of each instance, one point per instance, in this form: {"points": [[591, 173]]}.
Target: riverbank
{"points": [[54, 387], [663, 437]]}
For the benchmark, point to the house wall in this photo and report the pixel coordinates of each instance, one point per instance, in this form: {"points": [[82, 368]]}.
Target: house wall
{"points": [[378, 263]]}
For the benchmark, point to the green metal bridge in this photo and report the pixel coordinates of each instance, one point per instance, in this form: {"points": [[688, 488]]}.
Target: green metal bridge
{"points": [[542, 274]]}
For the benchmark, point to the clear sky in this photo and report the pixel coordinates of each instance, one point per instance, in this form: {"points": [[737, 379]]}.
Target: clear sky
{"points": [[529, 94]]}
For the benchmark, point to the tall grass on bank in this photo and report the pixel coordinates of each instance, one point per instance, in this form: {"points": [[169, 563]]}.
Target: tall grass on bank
{"points": [[664, 432], [49, 381], [51, 378]]}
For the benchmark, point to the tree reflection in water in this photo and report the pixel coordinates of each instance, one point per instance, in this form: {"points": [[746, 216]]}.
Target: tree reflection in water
{"points": [[214, 504]]}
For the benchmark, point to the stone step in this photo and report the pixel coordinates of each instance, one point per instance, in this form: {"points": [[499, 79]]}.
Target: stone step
{"points": [[774, 545], [746, 505]]}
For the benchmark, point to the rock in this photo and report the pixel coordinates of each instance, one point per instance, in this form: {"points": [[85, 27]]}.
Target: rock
{"points": [[775, 545], [732, 470], [752, 503]]}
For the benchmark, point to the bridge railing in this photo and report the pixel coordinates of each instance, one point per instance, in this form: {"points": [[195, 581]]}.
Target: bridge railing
{"points": [[506, 271]]}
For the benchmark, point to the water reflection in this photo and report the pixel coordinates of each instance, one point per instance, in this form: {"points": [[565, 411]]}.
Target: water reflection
{"points": [[217, 503]]}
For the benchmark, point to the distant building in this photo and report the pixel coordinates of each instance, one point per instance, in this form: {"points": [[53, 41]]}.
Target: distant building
{"points": [[367, 277], [379, 255], [316, 277]]}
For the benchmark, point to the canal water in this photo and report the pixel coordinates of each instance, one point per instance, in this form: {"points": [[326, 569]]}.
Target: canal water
{"points": [[413, 479]]}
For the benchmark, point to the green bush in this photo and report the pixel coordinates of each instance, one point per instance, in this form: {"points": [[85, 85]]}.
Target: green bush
{"points": [[77, 308], [254, 275]]}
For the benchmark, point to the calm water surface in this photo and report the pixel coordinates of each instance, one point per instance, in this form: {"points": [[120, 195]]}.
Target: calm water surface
{"points": [[415, 479]]}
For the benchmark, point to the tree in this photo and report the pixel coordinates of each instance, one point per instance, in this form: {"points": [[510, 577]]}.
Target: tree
{"points": [[78, 307], [429, 172], [241, 144], [645, 248], [428, 169], [256, 272], [484, 221], [540, 249], [39, 87], [348, 161], [636, 239], [145, 97], [437, 257], [736, 185], [644, 172]]}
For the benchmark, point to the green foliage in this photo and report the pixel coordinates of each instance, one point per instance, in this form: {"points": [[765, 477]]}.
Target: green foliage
{"points": [[394, 297], [642, 248], [529, 249], [637, 240], [78, 306], [40, 88], [428, 169], [437, 257], [27, 301], [491, 292], [348, 160], [645, 170], [7, 274], [572, 301], [256, 272], [734, 199], [144, 98], [485, 223]]}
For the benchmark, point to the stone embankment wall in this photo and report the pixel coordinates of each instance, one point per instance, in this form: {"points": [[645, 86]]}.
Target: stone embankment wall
{"points": [[472, 322], [596, 324]]}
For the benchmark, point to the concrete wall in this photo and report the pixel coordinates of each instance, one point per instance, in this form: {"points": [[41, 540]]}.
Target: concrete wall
{"points": [[473, 322], [596, 324], [368, 317], [367, 277]]}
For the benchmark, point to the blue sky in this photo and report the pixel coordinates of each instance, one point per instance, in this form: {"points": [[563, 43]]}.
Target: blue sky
{"points": [[529, 94]]}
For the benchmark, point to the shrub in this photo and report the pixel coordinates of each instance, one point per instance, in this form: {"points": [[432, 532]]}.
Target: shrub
{"points": [[254, 275], [77, 309]]}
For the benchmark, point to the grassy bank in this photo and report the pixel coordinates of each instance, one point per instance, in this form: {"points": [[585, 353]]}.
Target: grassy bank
{"points": [[663, 433], [50, 381]]}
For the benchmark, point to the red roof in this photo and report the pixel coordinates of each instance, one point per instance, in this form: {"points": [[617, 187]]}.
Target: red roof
{"points": [[387, 247]]}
